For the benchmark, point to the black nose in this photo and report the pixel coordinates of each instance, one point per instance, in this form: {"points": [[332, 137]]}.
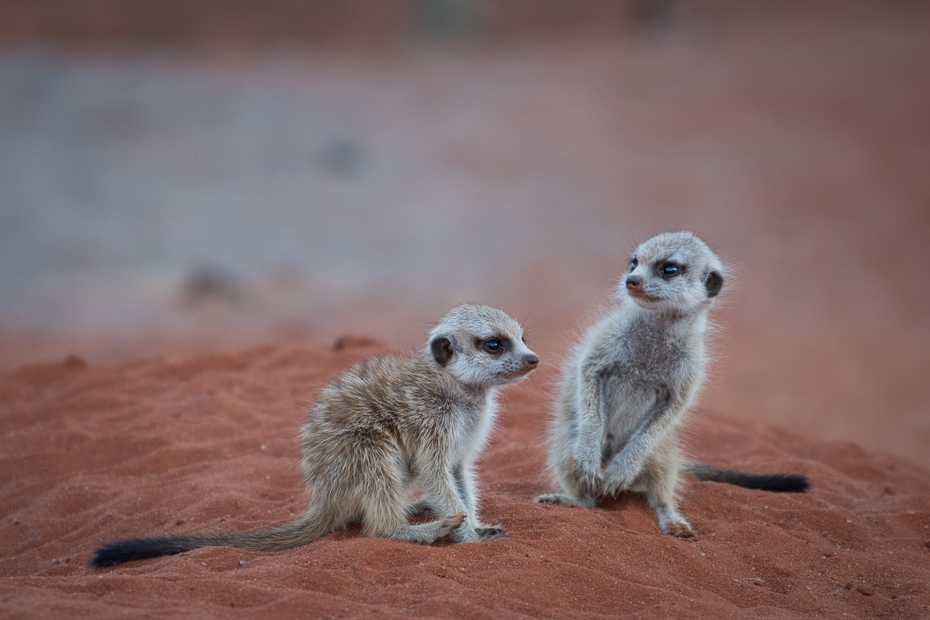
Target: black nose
{"points": [[633, 281], [531, 359]]}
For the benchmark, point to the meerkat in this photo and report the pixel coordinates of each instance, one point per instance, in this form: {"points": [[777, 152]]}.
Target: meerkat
{"points": [[378, 428], [630, 380]]}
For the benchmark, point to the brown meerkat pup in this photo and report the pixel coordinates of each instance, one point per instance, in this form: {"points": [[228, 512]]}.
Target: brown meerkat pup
{"points": [[630, 380], [378, 428]]}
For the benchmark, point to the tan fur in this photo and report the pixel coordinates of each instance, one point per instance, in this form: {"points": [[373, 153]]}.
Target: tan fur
{"points": [[384, 424]]}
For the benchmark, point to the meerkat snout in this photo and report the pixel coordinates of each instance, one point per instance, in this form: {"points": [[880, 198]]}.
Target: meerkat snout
{"points": [[633, 282]]}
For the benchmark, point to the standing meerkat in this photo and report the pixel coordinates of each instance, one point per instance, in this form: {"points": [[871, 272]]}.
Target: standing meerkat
{"points": [[378, 428], [629, 382]]}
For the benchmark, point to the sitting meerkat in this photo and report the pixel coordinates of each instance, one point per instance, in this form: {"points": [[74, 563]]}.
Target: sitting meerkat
{"points": [[627, 386], [378, 428]]}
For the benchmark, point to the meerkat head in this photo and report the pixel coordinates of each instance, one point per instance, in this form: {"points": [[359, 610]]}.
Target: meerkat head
{"points": [[481, 346], [673, 272]]}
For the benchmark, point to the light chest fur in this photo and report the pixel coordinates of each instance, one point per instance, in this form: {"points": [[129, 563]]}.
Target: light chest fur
{"points": [[637, 359]]}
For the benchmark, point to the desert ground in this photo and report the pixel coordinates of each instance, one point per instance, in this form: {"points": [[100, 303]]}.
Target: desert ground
{"points": [[199, 229]]}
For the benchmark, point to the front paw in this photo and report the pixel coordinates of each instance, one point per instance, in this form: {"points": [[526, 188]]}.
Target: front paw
{"points": [[491, 532], [466, 533], [673, 523], [589, 480], [615, 483], [681, 529]]}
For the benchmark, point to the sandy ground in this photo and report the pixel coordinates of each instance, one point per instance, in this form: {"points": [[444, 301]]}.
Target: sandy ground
{"points": [[161, 212], [158, 446]]}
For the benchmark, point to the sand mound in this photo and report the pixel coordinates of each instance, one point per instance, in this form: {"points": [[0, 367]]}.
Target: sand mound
{"points": [[93, 453]]}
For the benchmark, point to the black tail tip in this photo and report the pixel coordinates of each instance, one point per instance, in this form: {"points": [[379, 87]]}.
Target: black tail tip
{"points": [[116, 553], [108, 555], [776, 483], [102, 560], [133, 549], [788, 483]]}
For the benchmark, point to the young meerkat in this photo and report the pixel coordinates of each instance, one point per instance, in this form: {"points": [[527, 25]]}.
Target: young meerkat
{"points": [[378, 428], [630, 380]]}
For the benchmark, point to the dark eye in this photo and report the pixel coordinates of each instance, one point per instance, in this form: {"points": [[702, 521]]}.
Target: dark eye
{"points": [[670, 270], [493, 345], [634, 264]]}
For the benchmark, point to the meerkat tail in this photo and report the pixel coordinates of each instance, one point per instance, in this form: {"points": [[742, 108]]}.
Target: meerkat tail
{"points": [[308, 528], [778, 483]]}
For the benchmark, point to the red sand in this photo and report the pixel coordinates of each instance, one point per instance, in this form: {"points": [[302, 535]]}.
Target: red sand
{"points": [[156, 446]]}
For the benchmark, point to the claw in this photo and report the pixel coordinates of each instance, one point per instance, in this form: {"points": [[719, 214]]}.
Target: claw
{"points": [[589, 481], [612, 492], [681, 530], [449, 523], [615, 485], [491, 532]]}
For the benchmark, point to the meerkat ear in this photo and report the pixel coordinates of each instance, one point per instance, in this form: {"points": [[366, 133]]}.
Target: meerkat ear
{"points": [[713, 283], [442, 350]]}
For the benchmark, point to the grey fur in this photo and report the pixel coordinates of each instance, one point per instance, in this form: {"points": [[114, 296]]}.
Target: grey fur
{"points": [[384, 424], [630, 380]]}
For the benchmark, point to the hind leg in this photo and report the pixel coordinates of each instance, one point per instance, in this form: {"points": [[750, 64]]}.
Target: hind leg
{"points": [[419, 508], [445, 486], [385, 513], [385, 520], [660, 479], [574, 463], [423, 533], [576, 487]]}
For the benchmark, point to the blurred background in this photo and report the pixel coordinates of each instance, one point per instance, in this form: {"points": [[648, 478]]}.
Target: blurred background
{"points": [[182, 177]]}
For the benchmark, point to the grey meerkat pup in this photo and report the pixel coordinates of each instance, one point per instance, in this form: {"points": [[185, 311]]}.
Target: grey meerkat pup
{"points": [[378, 428], [627, 386]]}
